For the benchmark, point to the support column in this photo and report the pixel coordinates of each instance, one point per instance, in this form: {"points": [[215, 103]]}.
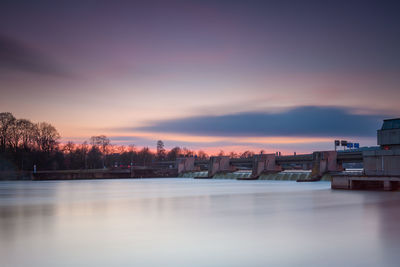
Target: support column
{"points": [[323, 162], [264, 163], [218, 164], [185, 164]]}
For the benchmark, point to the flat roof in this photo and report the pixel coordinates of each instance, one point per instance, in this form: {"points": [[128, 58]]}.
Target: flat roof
{"points": [[391, 119], [391, 124]]}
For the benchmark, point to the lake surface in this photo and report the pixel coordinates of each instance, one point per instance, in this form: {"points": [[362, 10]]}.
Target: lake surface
{"points": [[188, 222]]}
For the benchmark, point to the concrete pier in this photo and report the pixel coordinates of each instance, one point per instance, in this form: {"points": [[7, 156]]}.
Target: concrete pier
{"points": [[324, 162], [218, 164], [264, 163], [185, 164]]}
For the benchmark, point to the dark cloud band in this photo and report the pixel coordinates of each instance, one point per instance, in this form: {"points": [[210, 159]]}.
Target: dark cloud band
{"points": [[301, 121], [18, 56]]}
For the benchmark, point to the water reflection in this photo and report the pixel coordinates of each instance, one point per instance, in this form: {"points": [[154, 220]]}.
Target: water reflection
{"points": [[186, 222]]}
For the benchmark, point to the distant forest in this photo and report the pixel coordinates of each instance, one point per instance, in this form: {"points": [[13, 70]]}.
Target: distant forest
{"points": [[24, 144]]}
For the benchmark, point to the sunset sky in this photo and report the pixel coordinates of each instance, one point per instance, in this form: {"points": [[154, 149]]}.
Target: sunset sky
{"points": [[232, 75]]}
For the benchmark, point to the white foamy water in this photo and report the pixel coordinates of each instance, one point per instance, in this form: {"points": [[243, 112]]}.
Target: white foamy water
{"points": [[189, 222]]}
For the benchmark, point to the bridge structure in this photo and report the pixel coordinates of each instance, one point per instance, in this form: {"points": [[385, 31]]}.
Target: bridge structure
{"points": [[319, 163]]}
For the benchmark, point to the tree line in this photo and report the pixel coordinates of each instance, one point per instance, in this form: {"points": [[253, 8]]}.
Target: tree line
{"points": [[24, 144]]}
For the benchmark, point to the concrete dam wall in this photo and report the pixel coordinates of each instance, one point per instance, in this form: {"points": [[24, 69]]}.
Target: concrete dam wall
{"points": [[247, 175]]}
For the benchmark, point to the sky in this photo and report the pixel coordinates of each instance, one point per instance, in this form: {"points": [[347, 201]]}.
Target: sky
{"points": [[288, 76]]}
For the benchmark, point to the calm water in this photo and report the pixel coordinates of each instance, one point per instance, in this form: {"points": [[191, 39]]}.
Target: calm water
{"points": [[187, 222]]}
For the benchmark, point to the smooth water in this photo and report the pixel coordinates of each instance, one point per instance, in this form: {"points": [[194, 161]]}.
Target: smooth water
{"points": [[189, 222]]}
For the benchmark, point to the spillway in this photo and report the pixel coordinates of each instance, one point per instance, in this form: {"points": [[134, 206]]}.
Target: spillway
{"points": [[199, 174], [292, 176], [233, 175], [279, 176], [286, 176]]}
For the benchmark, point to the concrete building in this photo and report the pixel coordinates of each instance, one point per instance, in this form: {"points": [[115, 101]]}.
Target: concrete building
{"points": [[381, 166], [389, 134]]}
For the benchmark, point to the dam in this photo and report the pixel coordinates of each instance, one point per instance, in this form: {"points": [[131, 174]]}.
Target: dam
{"points": [[381, 166], [307, 167]]}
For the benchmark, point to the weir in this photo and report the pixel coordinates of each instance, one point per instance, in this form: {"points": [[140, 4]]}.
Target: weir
{"points": [[299, 176], [381, 166], [319, 163], [239, 175]]}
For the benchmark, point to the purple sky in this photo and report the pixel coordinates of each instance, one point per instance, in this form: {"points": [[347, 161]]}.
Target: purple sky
{"points": [[228, 75]]}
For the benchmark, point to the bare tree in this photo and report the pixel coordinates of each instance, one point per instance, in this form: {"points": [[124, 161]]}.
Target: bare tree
{"points": [[47, 137], [145, 156], [131, 148], [69, 147], [14, 135], [131, 152], [202, 155], [103, 143], [174, 153], [84, 149], [6, 122], [28, 131], [187, 152], [247, 154], [160, 150], [233, 155], [21, 133]]}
